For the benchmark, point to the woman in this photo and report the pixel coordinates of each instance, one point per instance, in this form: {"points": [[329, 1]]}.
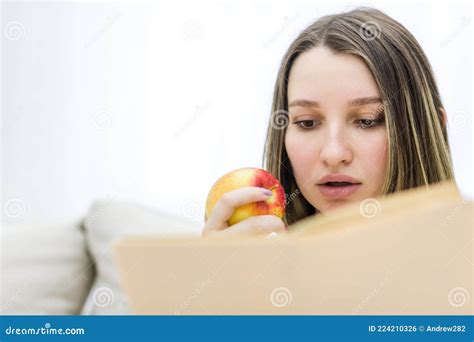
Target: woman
{"points": [[356, 114]]}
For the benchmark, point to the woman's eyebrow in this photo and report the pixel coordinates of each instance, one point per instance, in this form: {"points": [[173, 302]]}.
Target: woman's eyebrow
{"points": [[303, 103], [365, 100], [353, 103]]}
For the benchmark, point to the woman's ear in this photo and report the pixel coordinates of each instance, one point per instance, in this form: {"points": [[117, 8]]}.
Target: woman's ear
{"points": [[444, 117]]}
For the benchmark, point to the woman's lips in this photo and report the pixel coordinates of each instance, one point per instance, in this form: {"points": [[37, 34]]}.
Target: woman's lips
{"points": [[338, 192]]}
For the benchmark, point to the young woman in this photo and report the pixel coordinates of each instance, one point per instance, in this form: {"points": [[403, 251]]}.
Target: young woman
{"points": [[356, 114]]}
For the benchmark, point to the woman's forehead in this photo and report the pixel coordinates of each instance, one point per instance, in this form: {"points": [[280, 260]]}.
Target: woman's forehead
{"points": [[323, 76]]}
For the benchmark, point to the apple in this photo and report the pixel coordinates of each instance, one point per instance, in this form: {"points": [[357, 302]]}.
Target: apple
{"points": [[248, 176]]}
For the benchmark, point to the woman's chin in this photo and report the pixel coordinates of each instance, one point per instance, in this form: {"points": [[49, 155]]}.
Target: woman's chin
{"points": [[334, 205], [329, 207]]}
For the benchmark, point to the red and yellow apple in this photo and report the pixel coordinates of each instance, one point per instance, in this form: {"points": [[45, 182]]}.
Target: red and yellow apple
{"points": [[274, 205]]}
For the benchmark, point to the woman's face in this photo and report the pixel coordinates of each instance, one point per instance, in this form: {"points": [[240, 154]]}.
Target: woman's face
{"points": [[336, 129]]}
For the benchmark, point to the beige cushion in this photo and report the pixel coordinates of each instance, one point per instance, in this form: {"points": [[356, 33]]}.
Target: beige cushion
{"points": [[109, 220], [45, 269]]}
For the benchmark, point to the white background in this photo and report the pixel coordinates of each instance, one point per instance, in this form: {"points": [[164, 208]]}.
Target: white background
{"points": [[154, 102]]}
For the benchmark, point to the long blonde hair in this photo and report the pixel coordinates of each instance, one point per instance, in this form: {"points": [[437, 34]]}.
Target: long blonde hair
{"points": [[418, 142]]}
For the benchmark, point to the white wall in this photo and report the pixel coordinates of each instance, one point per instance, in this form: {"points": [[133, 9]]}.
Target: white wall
{"points": [[154, 102]]}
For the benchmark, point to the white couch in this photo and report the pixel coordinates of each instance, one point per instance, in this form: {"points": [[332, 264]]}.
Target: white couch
{"points": [[68, 268]]}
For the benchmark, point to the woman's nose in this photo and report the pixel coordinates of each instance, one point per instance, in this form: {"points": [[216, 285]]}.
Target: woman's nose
{"points": [[336, 150]]}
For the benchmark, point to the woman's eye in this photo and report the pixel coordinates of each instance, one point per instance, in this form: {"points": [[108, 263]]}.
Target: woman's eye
{"points": [[306, 124], [362, 123], [368, 123]]}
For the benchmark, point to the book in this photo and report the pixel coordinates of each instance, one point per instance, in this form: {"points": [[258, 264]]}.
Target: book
{"points": [[409, 253]]}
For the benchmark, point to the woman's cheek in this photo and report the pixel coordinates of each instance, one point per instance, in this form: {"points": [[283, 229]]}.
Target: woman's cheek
{"points": [[302, 153], [380, 153], [373, 152]]}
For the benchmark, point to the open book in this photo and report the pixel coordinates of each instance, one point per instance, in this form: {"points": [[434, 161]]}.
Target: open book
{"points": [[408, 253]]}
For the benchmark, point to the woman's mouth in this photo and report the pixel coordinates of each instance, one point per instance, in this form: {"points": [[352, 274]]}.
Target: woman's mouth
{"points": [[338, 190]]}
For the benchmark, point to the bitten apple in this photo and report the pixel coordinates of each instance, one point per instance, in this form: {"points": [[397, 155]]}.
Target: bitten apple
{"points": [[274, 205]]}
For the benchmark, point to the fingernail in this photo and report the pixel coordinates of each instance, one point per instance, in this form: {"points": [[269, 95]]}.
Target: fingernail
{"points": [[267, 192]]}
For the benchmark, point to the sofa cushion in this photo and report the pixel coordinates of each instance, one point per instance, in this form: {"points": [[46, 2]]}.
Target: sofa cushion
{"points": [[109, 220], [46, 269]]}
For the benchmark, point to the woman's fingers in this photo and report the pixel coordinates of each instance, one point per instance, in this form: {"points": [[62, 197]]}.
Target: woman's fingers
{"points": [[255, 225], [227, 204]]}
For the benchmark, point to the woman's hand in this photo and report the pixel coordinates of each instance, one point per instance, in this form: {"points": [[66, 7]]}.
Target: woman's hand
{"points": [[216, 224]]}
